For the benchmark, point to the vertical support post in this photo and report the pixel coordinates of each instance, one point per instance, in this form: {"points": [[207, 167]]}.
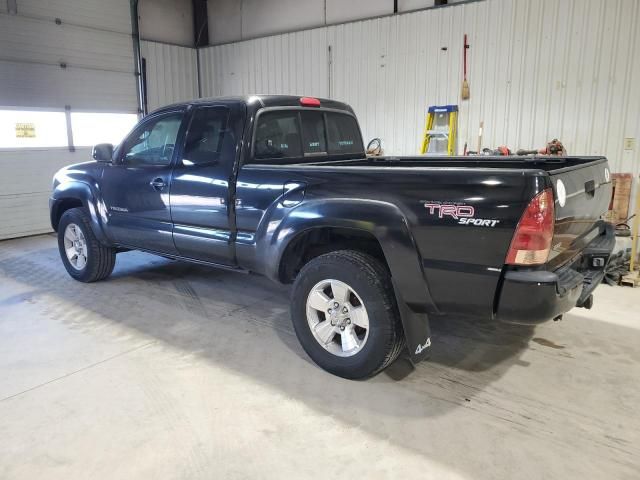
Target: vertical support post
{"points": [[201, 34], [137, 57], [198, 80], [145, 90], [329, 72], [200, 23], [67, 116]]}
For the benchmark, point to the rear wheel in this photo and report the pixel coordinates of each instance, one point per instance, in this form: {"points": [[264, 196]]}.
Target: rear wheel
{"points": [[345, 315], [84, 257]]}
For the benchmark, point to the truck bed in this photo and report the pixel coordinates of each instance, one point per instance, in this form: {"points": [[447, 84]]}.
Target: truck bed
{"points": [[497, 188], [546, 163], [584, 183]]}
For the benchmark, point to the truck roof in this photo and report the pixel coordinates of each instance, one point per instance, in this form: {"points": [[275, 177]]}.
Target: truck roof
{"points": [[260, 101]]}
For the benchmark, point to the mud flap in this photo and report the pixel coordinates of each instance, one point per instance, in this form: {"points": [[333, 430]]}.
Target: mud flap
{"points": [[417, 331]]}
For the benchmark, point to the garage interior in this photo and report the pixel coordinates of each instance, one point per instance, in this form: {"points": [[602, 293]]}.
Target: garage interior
{"points": [[174, 370]]}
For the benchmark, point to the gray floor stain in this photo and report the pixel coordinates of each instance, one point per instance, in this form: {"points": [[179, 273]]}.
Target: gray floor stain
{"points": [[547, 343]]}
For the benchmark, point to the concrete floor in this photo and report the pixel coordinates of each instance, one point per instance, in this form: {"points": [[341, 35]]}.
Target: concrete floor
{"points": [[169, 370]]}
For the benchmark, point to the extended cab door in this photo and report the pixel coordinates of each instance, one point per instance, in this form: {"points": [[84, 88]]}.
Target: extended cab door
{"points": [[136, 187], [200, 188]]}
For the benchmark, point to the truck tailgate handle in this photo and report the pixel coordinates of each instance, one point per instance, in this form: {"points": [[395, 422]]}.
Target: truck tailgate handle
{"points": [[590, 188]]}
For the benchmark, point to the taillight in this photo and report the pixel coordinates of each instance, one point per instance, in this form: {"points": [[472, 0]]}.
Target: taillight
{"points": [[532, 241]]}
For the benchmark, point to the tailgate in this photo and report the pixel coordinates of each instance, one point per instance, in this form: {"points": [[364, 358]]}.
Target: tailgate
{"points": [[582, 195]]}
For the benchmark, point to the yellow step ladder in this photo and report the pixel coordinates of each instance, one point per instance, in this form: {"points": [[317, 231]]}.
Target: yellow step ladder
{"points": [[440, 131]]}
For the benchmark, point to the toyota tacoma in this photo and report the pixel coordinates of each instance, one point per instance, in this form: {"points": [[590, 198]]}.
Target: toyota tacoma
{"points": [[374, 246]]}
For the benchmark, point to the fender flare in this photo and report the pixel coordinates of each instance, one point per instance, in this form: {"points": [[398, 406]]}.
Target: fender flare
{"points": [[83, 192], [388, 225]]}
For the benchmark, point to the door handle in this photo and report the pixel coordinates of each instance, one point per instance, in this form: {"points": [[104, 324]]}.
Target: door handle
{"points": [[158, 184]]}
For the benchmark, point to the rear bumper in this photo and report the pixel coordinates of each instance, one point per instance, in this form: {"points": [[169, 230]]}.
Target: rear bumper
{"points": [[531, 297], [534, 297]]}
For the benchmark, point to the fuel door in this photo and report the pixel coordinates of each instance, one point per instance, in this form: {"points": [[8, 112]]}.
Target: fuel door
{"points": [[292, 193]]}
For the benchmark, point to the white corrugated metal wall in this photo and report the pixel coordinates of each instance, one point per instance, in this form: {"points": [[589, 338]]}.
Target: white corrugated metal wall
{"points": [[289, 63], [537, 70], [57, 53], [170, 73]]}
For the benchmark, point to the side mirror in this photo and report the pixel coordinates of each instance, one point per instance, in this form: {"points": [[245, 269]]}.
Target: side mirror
{"points": [[103, 152], [374, 147]]}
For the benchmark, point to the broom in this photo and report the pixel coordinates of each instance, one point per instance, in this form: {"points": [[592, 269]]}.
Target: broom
{"points": [[465, 85]]}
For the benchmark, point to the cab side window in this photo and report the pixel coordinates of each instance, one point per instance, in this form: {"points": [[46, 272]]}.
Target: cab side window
{"points": [[206, 135], [153, 142]]}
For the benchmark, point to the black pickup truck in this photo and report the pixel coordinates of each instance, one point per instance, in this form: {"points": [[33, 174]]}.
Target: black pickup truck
{"points": [[281, 186]]}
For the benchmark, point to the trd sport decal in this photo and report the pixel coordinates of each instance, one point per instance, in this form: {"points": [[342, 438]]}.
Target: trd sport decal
{"points": [[464, 214], [450, 209]]}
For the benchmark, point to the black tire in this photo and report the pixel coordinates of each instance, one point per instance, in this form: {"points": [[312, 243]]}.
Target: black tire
{"points": [[371, 280], [100, 259]]}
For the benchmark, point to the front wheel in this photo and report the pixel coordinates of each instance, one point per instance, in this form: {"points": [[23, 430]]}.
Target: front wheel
{"points": [[84, 257], [345, 314]]}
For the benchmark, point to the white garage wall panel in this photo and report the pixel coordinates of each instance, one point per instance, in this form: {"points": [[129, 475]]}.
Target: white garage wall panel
{"points": [[24, 194], [171, 73], [294, 63], [537, 70]]}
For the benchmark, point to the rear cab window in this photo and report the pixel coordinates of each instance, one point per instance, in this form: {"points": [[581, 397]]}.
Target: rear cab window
{"points": [[310, 135]]}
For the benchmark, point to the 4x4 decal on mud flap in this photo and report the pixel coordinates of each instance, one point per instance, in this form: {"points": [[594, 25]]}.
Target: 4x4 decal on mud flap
{"points": [[421, 348], [464, 214]]}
